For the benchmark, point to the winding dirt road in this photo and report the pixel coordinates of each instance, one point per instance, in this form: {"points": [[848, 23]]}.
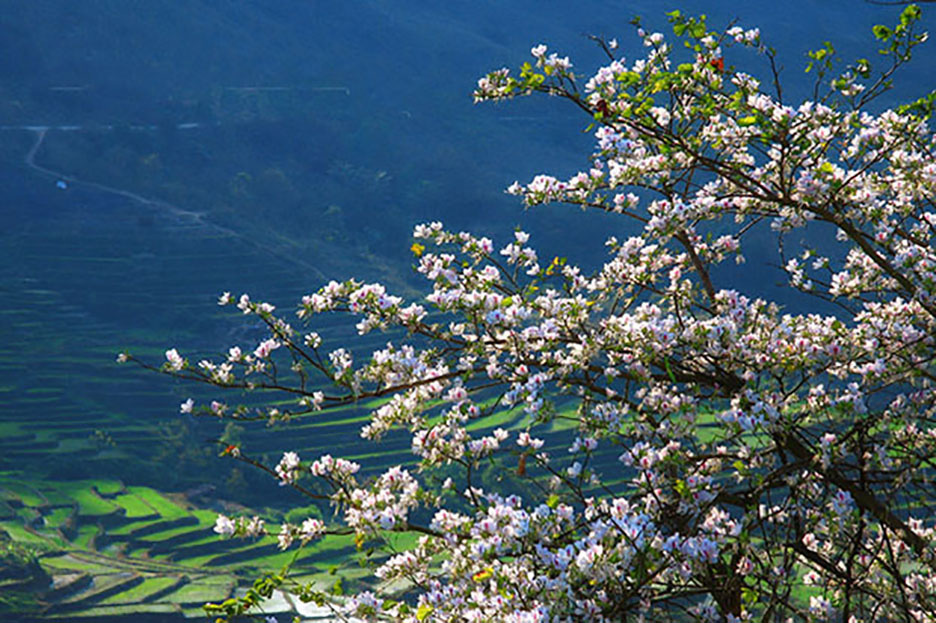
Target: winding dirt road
{"points": [[182, 215]]}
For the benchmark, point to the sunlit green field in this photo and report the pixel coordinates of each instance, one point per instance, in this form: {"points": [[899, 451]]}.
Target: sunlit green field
{"points": [[110, 550]]}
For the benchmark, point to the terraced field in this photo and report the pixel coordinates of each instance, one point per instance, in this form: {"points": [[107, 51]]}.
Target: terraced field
{"points": [[109, 551]]}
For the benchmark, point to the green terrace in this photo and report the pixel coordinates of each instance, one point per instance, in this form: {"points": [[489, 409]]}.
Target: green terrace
{"points": [[104, 550], [95, 550]]}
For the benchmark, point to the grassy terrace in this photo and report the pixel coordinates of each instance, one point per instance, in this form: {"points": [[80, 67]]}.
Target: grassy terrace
{"points": [[112, 552]]}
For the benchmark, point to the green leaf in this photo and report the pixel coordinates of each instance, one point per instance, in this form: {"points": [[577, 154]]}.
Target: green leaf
{"points": [[909, 15], [552, 501], [923, 107], [669, 370], [681, 488], [746, 121], [662, 83], [881, 32], [424, 611]]}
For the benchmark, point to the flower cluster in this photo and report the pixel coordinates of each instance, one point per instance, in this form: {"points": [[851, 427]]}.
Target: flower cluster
{"points": [[239, 527]]}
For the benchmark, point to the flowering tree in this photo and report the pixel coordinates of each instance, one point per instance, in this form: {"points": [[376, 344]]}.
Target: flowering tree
{"points": [[728, 460]]}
